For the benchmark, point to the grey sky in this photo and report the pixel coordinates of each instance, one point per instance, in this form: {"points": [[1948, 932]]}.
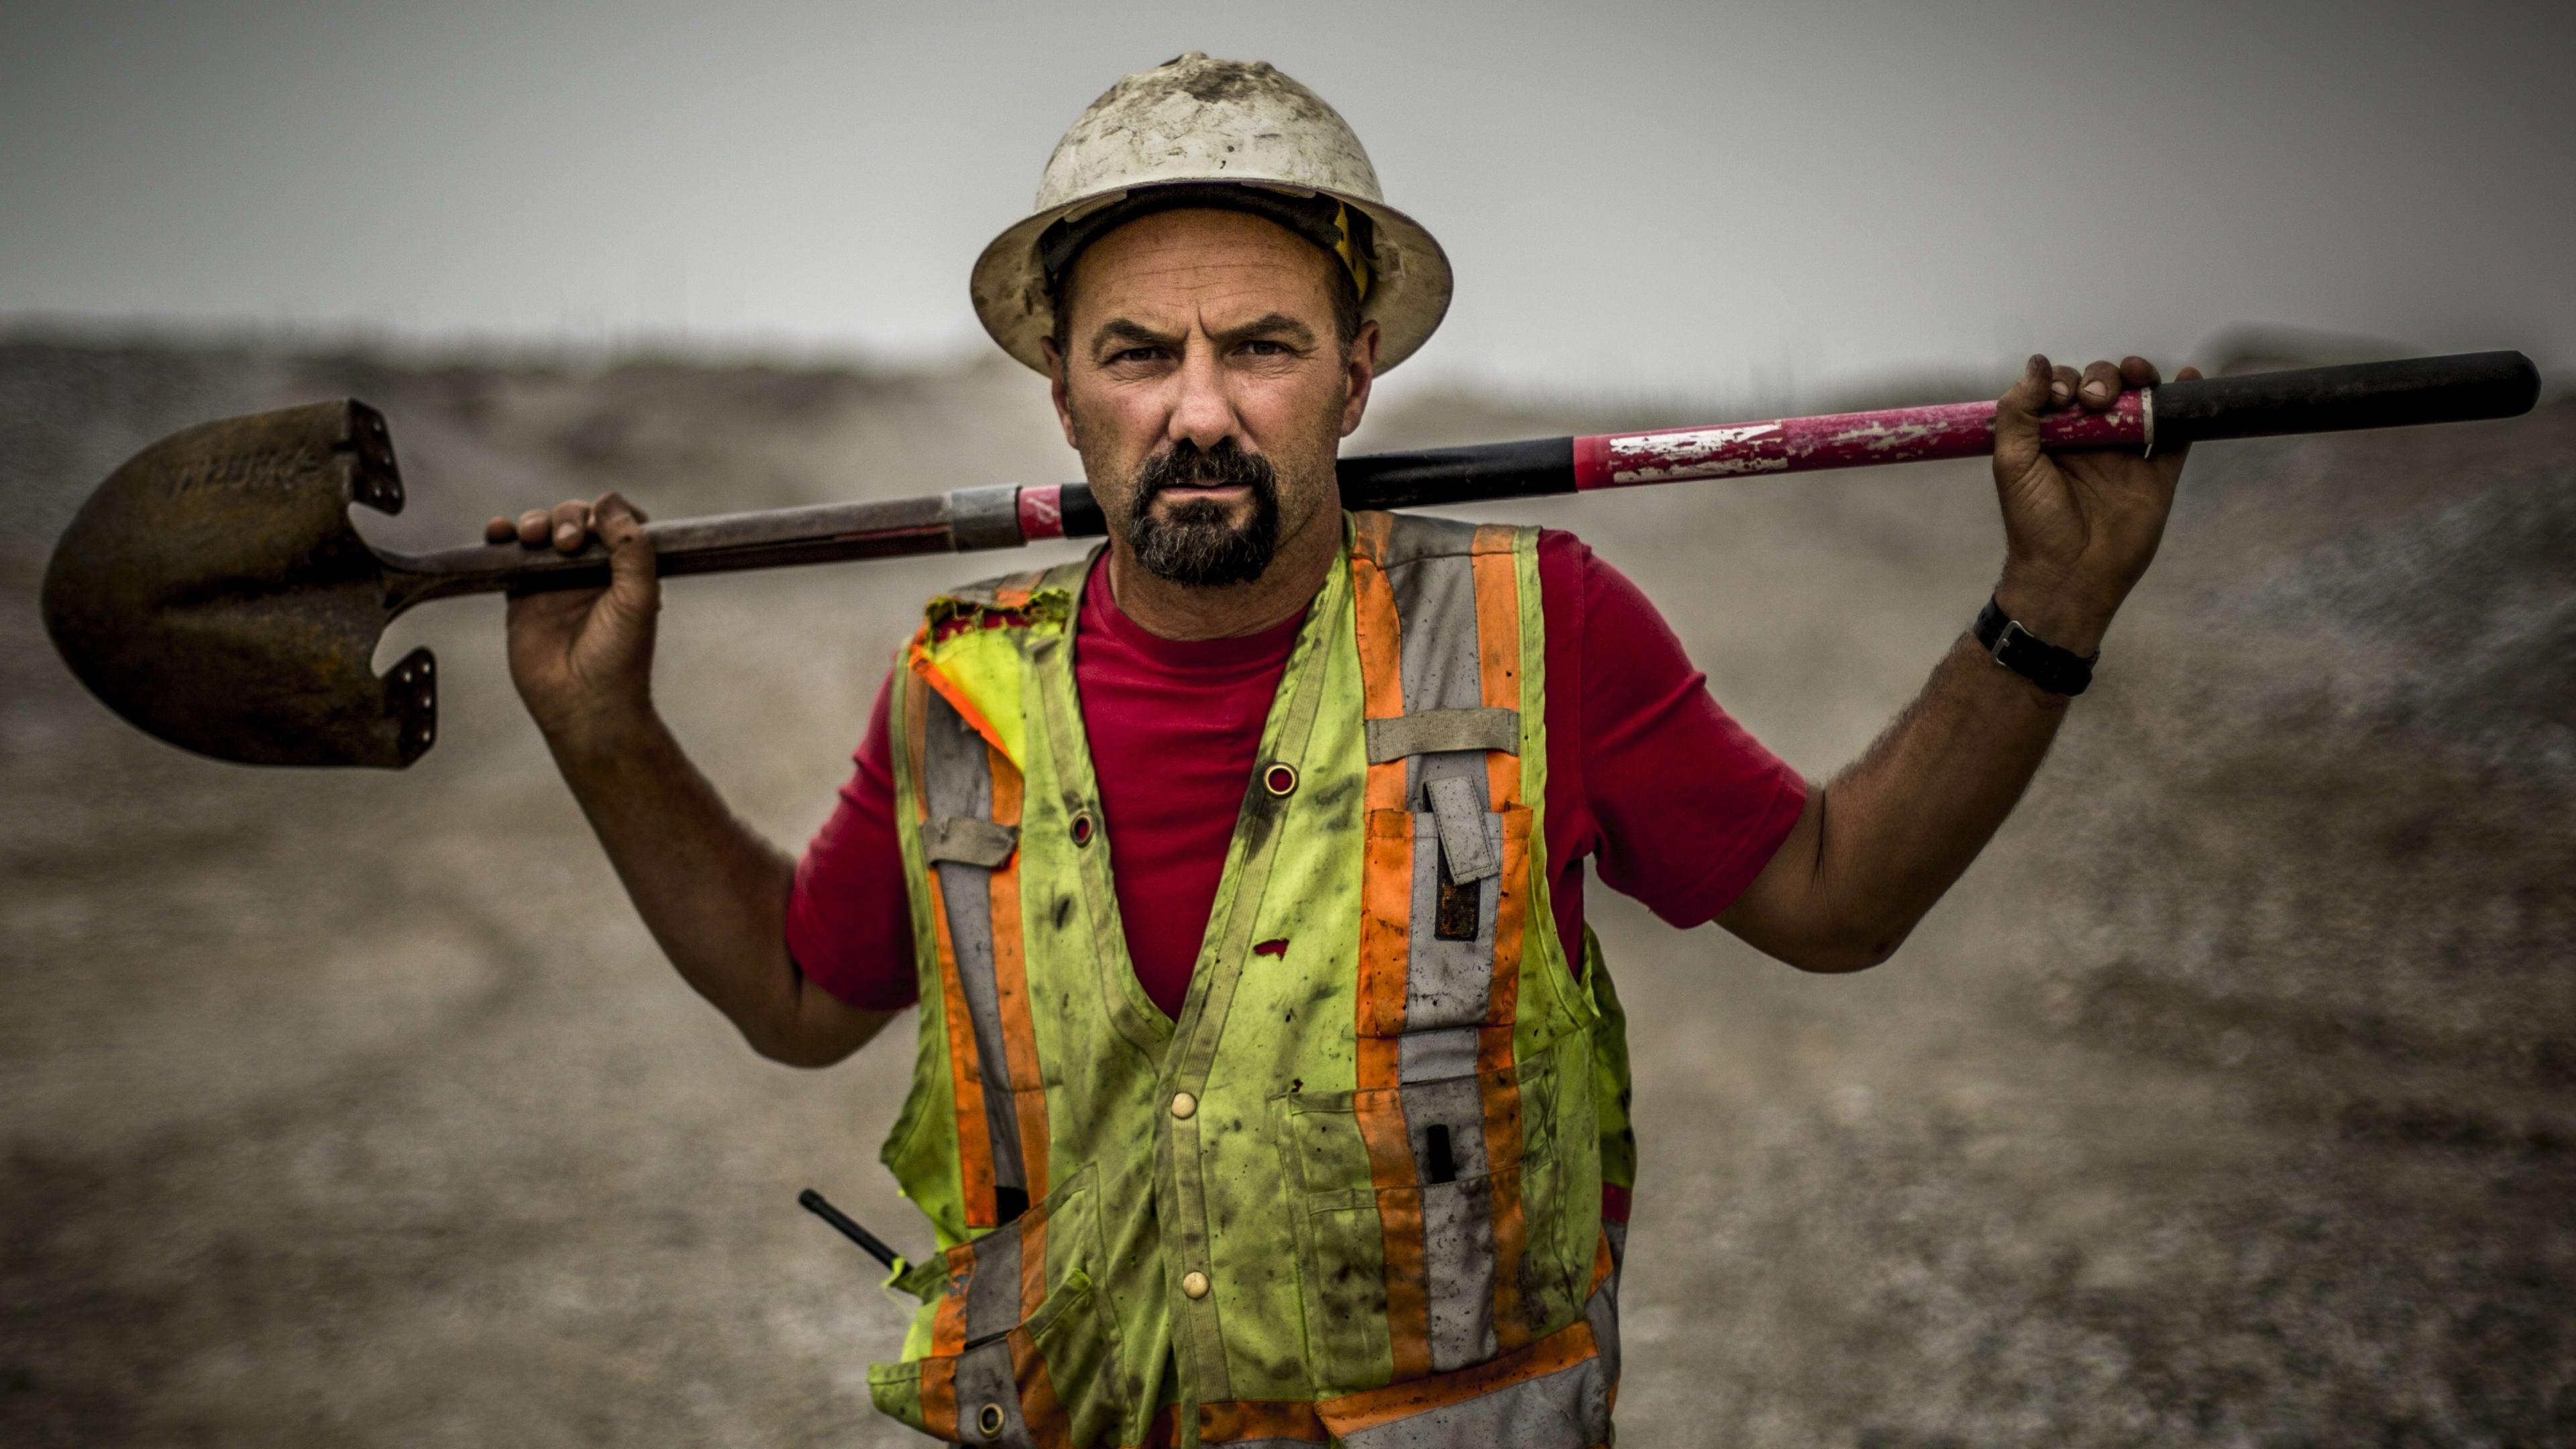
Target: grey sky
{"points": [[1667, 199]]}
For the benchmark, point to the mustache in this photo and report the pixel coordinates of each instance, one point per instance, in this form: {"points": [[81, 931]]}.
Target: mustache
{"points": [[1186, 463]]}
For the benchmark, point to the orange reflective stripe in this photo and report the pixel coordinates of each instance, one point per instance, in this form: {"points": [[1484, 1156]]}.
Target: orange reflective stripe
{"points": [[939, 1396], [1562, 1349], [948, 1320], [1386, 909], [1372, 533], [1040, 1410], [1381, 641], [1498, 647], [1011, 987], [1032, 1264], [1235, 1422]]}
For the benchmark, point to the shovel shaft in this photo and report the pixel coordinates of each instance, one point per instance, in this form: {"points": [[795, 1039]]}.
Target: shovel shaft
{"points": [[2308, 400], [215, 591]]}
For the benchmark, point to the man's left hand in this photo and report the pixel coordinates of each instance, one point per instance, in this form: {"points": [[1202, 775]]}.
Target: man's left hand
{"points": [[2079, 527]]}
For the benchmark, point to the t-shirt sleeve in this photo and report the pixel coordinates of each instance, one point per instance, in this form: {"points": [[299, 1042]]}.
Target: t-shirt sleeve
{"points": [[849, 921], [1687, 805]]}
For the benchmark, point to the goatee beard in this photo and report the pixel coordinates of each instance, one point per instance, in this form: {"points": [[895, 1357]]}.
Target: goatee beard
{"points": [[1197, 542]]}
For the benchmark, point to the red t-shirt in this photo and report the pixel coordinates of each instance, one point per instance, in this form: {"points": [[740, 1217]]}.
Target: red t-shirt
{"points": [[1646, 774]]}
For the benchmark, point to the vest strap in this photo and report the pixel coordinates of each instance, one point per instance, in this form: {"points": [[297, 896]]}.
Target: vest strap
{"points": [[968, 841], [1463, 843], [1434, 731]]}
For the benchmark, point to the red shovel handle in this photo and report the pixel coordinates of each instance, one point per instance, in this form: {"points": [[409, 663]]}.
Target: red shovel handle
{"points": [[2305, 400]]}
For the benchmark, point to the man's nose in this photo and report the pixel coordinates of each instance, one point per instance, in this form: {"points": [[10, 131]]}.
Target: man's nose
{"points": [[1201, 412]]}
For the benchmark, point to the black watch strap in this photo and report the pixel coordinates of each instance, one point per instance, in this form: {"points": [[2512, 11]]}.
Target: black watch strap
{"points": [[2059, 671]]}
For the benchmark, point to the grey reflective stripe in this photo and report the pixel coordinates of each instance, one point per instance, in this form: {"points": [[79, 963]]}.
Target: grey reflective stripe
{"points": [[984, 1379], [993, 1289], [1454, 807], [957, 786], [1447, 983], [1434, 730], [1568, 1409], [972, 841], [1457, 1217], [1433, 578]]}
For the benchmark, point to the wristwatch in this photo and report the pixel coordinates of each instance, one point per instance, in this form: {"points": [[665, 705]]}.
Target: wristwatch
{"points": [[2059, 671]]}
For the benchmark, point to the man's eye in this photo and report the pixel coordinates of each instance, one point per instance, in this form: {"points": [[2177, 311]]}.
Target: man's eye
{"points": [[1135, 354], [1263, 347]]}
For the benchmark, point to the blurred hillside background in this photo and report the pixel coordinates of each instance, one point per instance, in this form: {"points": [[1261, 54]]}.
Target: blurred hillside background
{"points": [[2230, 1099]]}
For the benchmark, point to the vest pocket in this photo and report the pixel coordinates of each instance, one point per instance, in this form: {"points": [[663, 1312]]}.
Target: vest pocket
{"points": [[1022, 1350], [1427, 1234]]}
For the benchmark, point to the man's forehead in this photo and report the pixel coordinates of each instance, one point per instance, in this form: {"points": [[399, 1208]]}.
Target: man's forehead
{"points": [[1194, 259]]}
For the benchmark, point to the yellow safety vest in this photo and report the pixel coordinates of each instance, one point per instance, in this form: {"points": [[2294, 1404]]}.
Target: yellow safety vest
{"points": [[1354, 1192]]}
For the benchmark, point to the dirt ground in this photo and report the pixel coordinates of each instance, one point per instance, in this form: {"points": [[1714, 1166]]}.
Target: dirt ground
{"points": [[2231, 1099]]}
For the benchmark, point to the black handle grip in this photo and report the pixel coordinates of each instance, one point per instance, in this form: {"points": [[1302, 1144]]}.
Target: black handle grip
{"points": [[2455, 389]]}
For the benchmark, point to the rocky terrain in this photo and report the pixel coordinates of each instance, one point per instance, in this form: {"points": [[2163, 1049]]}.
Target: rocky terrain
{"points": [[2231, 1099]]}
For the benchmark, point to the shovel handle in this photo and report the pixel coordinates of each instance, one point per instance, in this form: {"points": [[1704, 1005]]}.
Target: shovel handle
{"points": [[962, 518], [2303, 400]]}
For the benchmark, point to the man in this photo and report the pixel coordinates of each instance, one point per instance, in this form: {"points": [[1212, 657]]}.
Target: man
{"points": [[1307, 1118]]}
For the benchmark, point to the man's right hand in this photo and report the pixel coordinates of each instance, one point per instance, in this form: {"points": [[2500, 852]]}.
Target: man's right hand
{"points": [[583, 658]]}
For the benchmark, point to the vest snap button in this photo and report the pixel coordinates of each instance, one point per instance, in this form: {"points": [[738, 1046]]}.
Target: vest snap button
{"points": [[990, 1421], [1082, 828], [1279, 780], [1194, 1284], [1184, 1105]]}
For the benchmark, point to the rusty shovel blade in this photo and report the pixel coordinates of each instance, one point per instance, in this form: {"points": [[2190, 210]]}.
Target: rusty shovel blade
{"points": [[214, 593]]}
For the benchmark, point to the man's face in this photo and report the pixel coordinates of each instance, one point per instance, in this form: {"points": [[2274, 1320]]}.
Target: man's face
{"points": [[1206, 387]]}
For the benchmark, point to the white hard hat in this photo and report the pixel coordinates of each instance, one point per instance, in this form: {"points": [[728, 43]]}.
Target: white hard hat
{"points": [[1192, 123]]}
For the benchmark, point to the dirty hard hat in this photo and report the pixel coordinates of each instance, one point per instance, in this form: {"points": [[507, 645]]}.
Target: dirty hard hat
{"points": [[1226, 133]]}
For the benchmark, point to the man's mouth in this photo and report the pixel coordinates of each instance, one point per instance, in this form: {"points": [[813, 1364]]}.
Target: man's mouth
{"points": [[1200, 492]]}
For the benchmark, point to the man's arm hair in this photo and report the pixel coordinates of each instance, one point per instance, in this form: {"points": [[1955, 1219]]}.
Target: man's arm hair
{"points": [[1881, 842], [712, 891]]}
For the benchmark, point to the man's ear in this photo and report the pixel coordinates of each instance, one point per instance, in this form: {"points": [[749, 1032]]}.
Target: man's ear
{"points": [[1055, 389], [1359, 372]]}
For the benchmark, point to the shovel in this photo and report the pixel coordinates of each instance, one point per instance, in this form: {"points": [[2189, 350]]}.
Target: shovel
{"points": [[214, 592]]}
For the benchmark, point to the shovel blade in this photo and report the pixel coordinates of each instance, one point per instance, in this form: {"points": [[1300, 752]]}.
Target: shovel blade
{"points": [[213, 592]]}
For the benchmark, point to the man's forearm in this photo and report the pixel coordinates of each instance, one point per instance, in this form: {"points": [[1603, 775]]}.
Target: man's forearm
{"points": [[710, 889], [1898, 827], [1880, 843]]}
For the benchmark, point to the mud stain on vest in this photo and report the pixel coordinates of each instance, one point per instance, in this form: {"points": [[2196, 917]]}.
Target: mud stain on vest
{"points": [[1532, 1305], [1335, 797]]}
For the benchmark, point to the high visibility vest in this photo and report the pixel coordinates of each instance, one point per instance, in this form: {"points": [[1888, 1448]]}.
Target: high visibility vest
{"points": [[1354, 1193]]}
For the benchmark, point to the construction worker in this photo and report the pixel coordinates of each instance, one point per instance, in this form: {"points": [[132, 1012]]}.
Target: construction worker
{"points": [[1269, 1086]]}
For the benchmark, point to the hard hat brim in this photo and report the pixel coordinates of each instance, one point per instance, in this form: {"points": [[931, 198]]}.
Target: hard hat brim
{"points": [[1408, 293]]}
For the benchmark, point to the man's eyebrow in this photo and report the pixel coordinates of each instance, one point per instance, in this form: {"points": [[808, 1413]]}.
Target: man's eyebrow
{"points": [[1121, 329], [1276, 324]]}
